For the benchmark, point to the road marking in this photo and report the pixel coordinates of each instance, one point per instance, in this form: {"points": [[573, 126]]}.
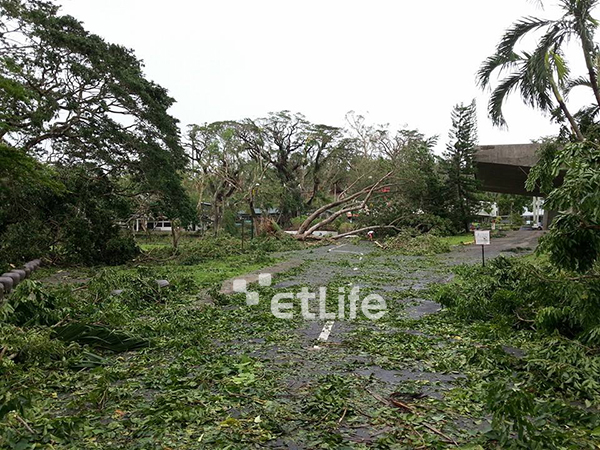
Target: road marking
{"points": [[329, 324], [324, 333], [345, 251]]}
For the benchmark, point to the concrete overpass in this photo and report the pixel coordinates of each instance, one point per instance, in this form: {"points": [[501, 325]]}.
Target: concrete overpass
{"points": [[504, 168]]}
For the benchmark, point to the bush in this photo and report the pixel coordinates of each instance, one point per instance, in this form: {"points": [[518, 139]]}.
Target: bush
{"points": [[346, 227], [228, 223], [24, 241], [282, 242], [265, 226], [197, 250], [555, 385], [120, 249], [516, 221], [518, 291], [297, 221], [74, 224], [412, 243]]}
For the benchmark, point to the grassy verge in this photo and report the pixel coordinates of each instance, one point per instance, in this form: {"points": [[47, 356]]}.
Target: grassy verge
{"points": [[460, 239]]}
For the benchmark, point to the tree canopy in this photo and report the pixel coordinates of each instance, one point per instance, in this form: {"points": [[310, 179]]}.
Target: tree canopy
{"points": [[70, 99], [543, 79]]}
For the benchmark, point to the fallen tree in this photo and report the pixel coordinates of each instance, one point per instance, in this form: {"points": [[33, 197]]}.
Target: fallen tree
{"points": [[348, 203], [362, 230]]}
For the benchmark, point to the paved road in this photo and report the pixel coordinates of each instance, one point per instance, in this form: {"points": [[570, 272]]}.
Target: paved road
{"points": [[318, 348]]}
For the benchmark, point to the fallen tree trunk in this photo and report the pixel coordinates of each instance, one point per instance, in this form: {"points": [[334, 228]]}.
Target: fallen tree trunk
{"points": [[362, 230], [305, 230], [312, 237]]}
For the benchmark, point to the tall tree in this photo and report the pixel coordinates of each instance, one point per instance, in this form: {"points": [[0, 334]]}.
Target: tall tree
{"points": [[461, 184], [72, 100], [542, 78], [217, 156], [328, 151], [70, 97], [280, 140]]}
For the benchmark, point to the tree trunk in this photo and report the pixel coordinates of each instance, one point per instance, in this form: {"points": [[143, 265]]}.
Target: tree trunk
{"points": [[587, 52], [175, 232], [565, 110], [216, 216], [361, 230]]}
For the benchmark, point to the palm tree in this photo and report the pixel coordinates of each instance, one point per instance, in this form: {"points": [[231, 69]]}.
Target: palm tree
{"points": [[542, 76]]}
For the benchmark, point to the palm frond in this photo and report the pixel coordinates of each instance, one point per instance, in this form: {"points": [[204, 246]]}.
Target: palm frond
{"points": [[498, 96], [570, 84], [560, 65], [496, 61], [517, 31], [535, 84]]}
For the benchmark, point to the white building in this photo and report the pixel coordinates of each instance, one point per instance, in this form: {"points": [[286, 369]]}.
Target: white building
{"points": [[536, 215]]}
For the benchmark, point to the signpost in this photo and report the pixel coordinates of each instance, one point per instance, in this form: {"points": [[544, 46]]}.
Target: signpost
{"points": [[241, 224], [482, 237]]}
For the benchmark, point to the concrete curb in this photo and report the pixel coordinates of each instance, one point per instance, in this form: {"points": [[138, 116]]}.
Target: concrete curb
{"points": [[10, 280]]}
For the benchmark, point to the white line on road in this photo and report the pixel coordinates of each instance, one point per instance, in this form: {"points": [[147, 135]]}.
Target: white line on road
{"points": [[345, 251], [324, 333]]}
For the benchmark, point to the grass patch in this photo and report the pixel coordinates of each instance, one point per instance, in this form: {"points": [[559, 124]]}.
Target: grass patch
{"points": [[460, 239]]}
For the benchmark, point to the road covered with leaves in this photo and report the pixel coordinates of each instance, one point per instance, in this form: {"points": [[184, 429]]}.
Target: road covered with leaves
{"points": [[188, 367]]}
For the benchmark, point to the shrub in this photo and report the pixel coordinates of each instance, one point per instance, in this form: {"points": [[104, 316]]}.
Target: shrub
{"points": [[282, 242], [346, 227], [412, 243], [24, 241], [517, 290], [297, 221], [74, 224], [198, 250], [266, 226], [228, 223], [120, 249]]}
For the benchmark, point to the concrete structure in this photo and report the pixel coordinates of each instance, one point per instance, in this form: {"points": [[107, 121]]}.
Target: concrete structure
{"points": [[488, 210], [534, 216], [10, 280], [504, 168]]}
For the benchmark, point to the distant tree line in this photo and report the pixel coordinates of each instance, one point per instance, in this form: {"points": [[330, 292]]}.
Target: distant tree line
{"points": [[285, 163], [86, 142]]}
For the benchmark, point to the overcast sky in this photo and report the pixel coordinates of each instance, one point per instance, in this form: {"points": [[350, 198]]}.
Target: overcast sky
{"points": [[405, 63]]}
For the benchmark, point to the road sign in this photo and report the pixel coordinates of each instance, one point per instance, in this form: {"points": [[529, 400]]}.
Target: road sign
{"points": [[482, 237]]}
